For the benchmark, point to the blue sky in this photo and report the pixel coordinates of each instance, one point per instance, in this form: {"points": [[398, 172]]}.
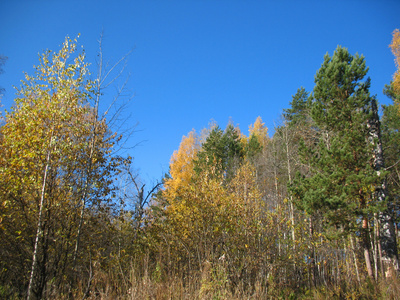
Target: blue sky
{"points": [[201, 60]]}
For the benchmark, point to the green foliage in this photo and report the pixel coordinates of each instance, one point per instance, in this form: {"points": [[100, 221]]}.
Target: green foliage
{"points": [[224, 226], [340, 164], [222, 150], [297, 113], [253, 147]]}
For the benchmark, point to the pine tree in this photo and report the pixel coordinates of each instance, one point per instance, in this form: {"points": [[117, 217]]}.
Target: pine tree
{"points": [[343, 177], [222, 150], [297, 113]]}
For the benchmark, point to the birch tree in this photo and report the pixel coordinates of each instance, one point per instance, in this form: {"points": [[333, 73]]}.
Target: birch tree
{"points": [[46, 145]]}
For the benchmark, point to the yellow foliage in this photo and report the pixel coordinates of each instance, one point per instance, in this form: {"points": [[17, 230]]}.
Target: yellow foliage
{"points": [[244, 183], [182, 165], [260, 131], [201, 214], [205, 212], [395, 47]]}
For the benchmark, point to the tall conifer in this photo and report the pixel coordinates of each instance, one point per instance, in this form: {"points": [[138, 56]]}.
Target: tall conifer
{"points": [[343, 177]]}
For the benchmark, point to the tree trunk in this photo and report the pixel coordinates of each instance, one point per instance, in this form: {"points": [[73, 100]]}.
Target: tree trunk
{"points": [[83, 204], [366, 246], [39, 232], [289, 172], [387, 234], [355, 259], [312, 261]]}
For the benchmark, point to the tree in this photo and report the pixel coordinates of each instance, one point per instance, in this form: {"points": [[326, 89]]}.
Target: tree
{"points": [[387, 235], [391, 142], [47, 145], [343, 175], [221, 150], [395, 47], [182, 164], [257, 140], [297, 113], [260, 131], [101, 124]]}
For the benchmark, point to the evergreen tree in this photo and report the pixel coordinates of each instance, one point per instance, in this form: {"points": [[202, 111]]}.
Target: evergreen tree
{"points": [[253, 147], [233, 150], [222, 151], [342, 169], [298, 123], [297, 113]]}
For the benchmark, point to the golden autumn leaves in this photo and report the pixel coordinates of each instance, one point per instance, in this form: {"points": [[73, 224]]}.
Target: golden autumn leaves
{"points": [[54, 162], [206, 210], [395, 47]]}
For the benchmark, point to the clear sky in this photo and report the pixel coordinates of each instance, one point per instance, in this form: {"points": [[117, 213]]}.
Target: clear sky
{"points": [[197, 60]]}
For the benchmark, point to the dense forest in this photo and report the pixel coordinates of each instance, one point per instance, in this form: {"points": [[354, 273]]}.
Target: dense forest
{"points": [[310, 212]]}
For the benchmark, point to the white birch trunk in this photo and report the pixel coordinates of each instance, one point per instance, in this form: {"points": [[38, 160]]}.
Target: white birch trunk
{"points": [[387, 234], [39, 232]]}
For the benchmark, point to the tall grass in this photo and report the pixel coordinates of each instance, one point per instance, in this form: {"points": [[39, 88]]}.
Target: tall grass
{"points": [[213, 282]]}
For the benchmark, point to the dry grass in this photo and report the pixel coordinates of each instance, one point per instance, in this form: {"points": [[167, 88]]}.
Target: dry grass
{"points": [[211, 285]]}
